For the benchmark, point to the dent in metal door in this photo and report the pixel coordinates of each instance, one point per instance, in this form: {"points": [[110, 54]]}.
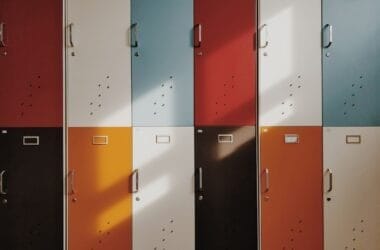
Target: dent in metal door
{"points": [[98, 63], [32, 188], [162, 62], [290, 81], [99, 203], [225, 62], [350, 63], [31, 63], [163, 188], [351, 177], [291, 188], [226, 191]]}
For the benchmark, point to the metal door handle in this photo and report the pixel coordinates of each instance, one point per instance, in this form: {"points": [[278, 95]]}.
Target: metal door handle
{"points": [[261, 30], [2, 43], [135, 181], [330, 27], [330, 181], [71, 43], [134, 35], [198, 39], [72, 183], [267, 185], [200, 179], [2, 182]]}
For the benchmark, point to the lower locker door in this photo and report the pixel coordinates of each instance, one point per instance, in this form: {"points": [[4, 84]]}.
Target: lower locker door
{"points": [[99, 202], [226, 200], [163, 199], [34, 189], [291, 188], [351, 198]]}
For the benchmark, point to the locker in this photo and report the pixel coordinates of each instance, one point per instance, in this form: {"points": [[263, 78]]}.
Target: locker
{"points": [[291, 188], [226, 190], [31, 188], [163, 188], [98, 63], [162, 63], [290, 81], [350, 63], [225, 62], [31, 63], [351, 184], [99, 201]]}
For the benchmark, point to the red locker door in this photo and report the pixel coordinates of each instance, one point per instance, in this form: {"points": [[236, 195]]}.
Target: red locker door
{"points": [[291, 188], [31, 63], [225, 62]]}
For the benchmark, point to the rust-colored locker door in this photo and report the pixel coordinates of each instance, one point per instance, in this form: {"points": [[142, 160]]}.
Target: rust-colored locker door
{"points": [[31, 77], [291, 188], [100, 165], [225, 62]]}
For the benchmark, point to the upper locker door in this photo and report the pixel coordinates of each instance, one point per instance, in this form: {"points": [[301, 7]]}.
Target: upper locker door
{"points": [[290, 63], [291, 188], [163, 189], [99, 205], [352, 173], [351, 61], [98, 63], [31, 63], [162, 62], [225, 62], [226, 198], [32, 188]]}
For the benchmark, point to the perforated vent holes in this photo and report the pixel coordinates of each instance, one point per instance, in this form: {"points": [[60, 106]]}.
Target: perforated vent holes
{"points": [[102, 236], [96, 103], [350, 103], [222, 101], [357, 232], [166, 233], [160, 102], [295, 233], [27, 102], [288, 104]]}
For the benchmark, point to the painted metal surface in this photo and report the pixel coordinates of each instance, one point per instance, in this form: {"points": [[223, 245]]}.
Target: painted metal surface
{"points": [[98, 63], [226, 190], [290, 81], [350, 63], [225, 62], [99, 203], [291, 188], [163, 194], [162, 62], [31, 188], [351, 200], [31, 63]]}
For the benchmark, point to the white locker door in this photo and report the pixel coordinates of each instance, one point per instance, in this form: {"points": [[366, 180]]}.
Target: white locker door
{"points": [[290, 78], [352, 184], [163, 199], [98, 63]]}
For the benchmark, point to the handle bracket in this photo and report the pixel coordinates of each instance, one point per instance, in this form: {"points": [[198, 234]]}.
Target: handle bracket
{"points": [[263, 28], [2, 191], [135, 181], [198, 37], [267, 184], [330, 28], [330, 180], [134, 35]]}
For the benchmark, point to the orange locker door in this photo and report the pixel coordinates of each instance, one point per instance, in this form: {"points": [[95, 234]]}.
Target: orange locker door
{"points": [[100, 205], [291, 188]]}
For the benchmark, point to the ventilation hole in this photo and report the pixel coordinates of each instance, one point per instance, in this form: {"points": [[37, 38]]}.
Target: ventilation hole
{"points": [[162, 105], [362, 231], [100, 242], [108, 87], [283, 113], [155, 103], [361, 77], [291, 240], [300, 221], [225, 104], [155, 113], [100, 231], [108, 233], [99, 105], [283, 103], [299, 86], [162, 85], [22, 104], [99, 95], [163, 230], [171, 77], [39, 77], [91, 113], [91, 103], [353, 239], [99, 85], [299, 77], [292, 230], [171, 221], [30, 95], [353, 229], [290, 85], [353, 95], [353, 85], [163, 95], [163, 240], [290, 105], [30, 105], [291, 95], [171, 231], [108, 77], [353, 105], [362, 221]]}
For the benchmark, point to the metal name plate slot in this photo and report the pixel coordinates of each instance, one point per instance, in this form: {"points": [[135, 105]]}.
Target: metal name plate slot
{"points": [[353, 139], [30, 140], [162, 139], [292, 139], [100, 140], [225, 138]]}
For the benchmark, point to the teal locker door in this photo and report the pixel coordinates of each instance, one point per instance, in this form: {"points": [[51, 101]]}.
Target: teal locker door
{"points": [[351, 58], [162, 62]]}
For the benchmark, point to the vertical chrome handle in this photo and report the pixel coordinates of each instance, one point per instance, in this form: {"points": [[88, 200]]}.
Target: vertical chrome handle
{"points": [[134, 35], [198, 37], [71, 42], [2, 191], [267, 185], [135, 181], [200, 184], [261, 30], [330, 181], [330, 28], [2, 35], [72, 183]]}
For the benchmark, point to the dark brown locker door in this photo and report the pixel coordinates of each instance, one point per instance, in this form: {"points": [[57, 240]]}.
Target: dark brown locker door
{"points": [[226, 199]]}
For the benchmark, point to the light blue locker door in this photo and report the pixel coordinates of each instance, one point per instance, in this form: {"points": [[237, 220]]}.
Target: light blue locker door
{"points": [[351, 60], [162, 62]]}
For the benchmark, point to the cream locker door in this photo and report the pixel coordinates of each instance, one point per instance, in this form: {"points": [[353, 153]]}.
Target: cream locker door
{"points": [[163, 189], [352, 184], [98, 63], [290, 80]]}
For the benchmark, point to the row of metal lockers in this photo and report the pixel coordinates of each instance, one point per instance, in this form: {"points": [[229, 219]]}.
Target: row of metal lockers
{"points": [[189, 124]]}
